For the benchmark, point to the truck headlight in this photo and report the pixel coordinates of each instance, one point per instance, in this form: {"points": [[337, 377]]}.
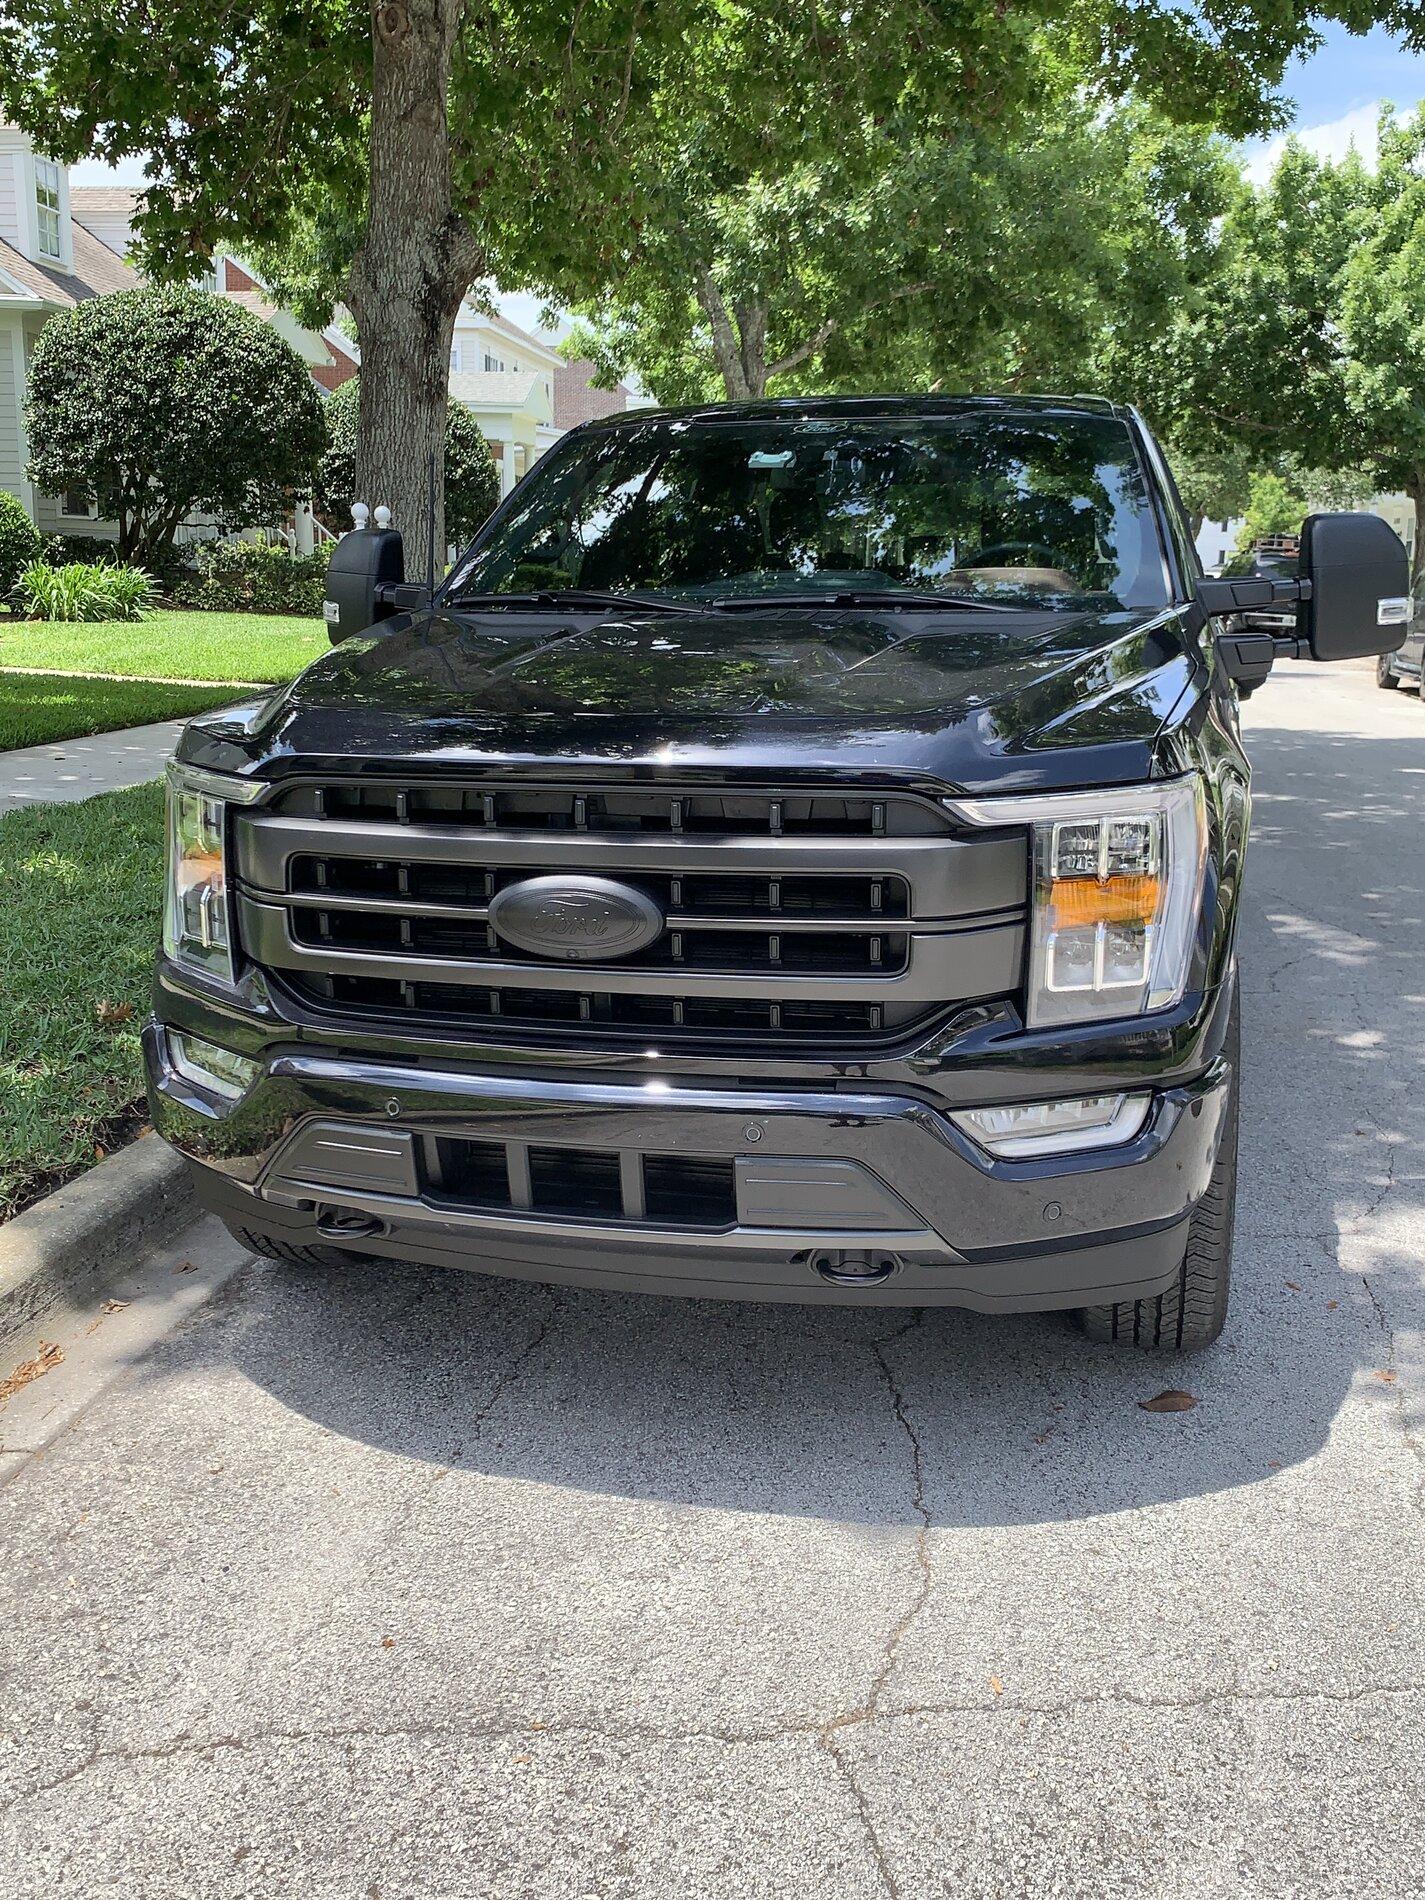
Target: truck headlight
{"points": [[1117, 885], [197, 925]]}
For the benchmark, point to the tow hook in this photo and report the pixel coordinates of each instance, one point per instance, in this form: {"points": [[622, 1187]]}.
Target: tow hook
{"points": [[854, 1269]]}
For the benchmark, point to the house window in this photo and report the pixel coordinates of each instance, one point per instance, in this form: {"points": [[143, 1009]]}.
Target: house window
{"points": [[493, 362], [72, 503], [455, 359], [47, 207]]}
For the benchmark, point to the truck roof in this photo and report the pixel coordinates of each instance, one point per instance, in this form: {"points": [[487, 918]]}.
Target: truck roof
{"points": [[772, 408]]}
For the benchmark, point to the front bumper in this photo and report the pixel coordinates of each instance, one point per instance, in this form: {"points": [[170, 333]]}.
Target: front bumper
{"points": [[875, 1184]]}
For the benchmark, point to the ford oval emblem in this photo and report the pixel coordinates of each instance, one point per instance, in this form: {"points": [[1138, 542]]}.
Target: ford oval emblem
{"points": [[575, 919]]}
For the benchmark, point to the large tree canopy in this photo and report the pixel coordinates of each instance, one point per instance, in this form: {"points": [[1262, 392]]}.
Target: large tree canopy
{"points": [[915, 258], [528, 139], [158, 404], [1255, 359], [1382, 311]]}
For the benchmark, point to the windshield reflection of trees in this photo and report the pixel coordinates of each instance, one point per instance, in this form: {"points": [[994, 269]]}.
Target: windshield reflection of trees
{"points": [[1046, 510]]}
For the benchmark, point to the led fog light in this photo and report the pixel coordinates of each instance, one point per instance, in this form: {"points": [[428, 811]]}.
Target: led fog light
{"points": [[220, 1071], [1054, 1128]]}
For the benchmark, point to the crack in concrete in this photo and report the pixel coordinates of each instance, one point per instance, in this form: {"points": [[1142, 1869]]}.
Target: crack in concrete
{"points": [[1407, 1430], [512, 1371], [868, 1821], [821, 1734]]}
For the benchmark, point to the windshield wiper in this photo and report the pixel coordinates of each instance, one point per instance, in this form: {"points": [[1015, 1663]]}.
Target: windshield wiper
{"points": [[552, 599], [866, 597]]}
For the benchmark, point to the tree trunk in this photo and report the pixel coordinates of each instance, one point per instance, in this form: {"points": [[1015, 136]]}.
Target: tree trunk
{"points": [[1415, 489], [739, 341], [416, 263]]}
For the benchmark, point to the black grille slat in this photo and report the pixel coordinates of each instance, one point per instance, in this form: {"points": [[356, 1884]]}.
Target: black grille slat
{"points": [[446, 1005], [516, 808], [714, 951]]}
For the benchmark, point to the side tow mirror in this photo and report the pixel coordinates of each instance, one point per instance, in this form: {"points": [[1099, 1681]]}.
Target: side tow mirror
{"points": [[1351, 599], [1358, 604], [366, 580]]}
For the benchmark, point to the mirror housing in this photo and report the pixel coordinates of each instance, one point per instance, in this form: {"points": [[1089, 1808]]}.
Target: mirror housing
{"points": [[366, 583], [1359, 599]]}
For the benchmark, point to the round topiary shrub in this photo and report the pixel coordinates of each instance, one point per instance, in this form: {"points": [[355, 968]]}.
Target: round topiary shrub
{"points": [[20, 541]]}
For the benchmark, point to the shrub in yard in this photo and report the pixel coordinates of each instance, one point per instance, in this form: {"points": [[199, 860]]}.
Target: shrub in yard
{"points": [[472, 482], [253, 577], [61, 549], [163, 403], [20, 540], [82, 591]]}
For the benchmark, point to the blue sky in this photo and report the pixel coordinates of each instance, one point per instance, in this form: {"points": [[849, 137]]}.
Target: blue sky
{"points": [[1336, 93]]}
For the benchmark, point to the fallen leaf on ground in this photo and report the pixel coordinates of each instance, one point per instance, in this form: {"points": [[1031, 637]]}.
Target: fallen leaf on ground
{"points": [[1274, 1464], [1386, 1376], [388, 1642], [1169, 1401], [114, 1306], [1292, 1284], [996, 1686], [114, 1015], [45, 1360], [186, 1266], [1331, 1305]]}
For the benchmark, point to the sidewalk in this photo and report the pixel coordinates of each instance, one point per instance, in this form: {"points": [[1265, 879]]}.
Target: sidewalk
{"points": [[80, 768]]}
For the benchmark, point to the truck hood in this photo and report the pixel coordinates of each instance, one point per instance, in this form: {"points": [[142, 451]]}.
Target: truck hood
{"points": [[968, 701]]}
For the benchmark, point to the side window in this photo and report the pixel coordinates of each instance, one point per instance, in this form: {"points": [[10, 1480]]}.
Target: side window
{"points": [[47, 207]]}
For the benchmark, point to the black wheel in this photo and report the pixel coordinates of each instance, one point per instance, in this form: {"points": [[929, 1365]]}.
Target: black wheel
{"points": [[1191, 1314], [271, 1249], [1386, 676]]}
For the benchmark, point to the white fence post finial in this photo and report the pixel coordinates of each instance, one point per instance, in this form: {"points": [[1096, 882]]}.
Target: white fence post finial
{"points": [[383, 516], [360, 513]]}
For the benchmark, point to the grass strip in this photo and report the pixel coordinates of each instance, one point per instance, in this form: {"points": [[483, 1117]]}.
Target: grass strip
{"points": [[171, 643], [80, 897], [45, 708]]}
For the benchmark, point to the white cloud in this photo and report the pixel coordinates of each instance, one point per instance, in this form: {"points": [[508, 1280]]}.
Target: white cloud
{"points": [[1332, 139]]}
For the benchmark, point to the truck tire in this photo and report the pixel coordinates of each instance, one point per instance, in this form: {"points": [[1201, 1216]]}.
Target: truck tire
{"points": [[289, 1256], [1191, 1314], [1386, 676]]}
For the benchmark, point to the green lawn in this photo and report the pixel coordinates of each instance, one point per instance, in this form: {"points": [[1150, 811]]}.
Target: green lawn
{"points": [[80, 894], [172, 643], [44, 708]]}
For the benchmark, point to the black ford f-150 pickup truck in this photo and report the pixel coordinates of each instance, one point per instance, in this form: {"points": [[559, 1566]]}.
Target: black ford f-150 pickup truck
{"points": [[794, 854]]}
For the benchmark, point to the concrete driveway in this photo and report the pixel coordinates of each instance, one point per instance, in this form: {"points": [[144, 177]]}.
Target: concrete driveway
{"points": [[407, 1585]]}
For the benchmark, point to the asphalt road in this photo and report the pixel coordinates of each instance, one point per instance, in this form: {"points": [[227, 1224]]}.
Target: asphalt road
{"points": [[419, 1585]]}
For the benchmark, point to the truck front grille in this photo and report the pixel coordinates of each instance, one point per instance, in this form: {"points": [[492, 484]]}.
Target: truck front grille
{"points": [[804, 916]]}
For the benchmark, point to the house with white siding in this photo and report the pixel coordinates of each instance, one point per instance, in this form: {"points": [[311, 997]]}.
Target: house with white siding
{"points": [[48, 262]]}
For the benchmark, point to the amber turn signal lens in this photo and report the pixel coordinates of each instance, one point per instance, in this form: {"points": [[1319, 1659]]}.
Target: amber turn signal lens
{"points": [[1089, 900]]}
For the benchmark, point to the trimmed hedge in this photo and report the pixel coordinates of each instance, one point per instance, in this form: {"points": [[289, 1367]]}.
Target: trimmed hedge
{"points": [[253, 577]]}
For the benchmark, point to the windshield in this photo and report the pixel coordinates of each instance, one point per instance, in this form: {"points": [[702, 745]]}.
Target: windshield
{"points": [[1024, 508]]}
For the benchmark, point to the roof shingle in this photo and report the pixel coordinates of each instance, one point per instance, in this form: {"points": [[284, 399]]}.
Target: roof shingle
{"points": [[96, 272]]}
